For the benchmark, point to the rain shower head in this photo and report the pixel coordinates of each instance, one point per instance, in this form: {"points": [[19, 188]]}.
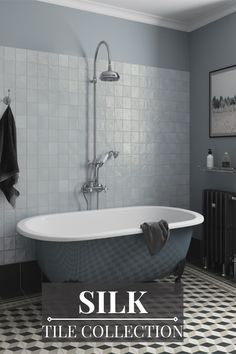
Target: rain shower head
{"points": [[109, 75]]}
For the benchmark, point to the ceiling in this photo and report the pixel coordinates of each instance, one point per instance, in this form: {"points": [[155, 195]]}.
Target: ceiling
{"points": [[185, 15]]}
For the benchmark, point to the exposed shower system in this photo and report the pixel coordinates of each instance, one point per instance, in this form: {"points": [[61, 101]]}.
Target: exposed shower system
{"points": [[109, 75]]}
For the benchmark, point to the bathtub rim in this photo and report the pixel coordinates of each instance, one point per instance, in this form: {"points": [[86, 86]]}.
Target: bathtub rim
{"points": [[23, 230]]}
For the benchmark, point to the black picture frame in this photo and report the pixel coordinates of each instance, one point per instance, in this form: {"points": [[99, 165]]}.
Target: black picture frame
{"points": [[222, 103]]}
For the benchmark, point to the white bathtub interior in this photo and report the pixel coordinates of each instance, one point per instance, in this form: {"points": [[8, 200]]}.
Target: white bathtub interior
{"points": [[103, 223]]}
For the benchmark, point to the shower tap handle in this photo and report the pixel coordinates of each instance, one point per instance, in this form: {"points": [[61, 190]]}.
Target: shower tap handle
{"points": [[100, 188]]}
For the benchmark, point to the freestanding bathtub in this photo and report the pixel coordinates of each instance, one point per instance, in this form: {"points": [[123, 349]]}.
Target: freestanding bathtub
{"points": [[108, 244]]}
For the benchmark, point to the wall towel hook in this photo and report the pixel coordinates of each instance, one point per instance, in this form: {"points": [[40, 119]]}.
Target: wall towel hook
{"points": [[7, 99]]}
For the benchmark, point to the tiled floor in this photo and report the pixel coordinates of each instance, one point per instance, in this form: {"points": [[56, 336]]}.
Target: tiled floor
{"points": [[210, 325]]}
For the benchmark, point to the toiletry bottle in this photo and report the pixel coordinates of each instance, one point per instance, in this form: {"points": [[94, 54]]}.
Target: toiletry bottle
{"points": [[226, 162], [210, 159]]}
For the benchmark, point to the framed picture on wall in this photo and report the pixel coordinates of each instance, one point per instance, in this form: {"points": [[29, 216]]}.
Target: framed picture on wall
{"points": [[222, 102]]}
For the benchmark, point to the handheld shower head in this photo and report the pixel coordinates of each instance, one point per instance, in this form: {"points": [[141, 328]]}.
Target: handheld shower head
{"points": [[109, 155], [115, 154]]}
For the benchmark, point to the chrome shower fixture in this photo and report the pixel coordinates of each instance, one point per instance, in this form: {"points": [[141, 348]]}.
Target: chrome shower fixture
{"points": [[109, 74], [109, 155], [93, 184]]}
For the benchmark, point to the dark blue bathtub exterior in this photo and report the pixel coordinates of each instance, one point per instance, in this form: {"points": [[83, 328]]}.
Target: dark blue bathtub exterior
{"points": [[123, 258]]}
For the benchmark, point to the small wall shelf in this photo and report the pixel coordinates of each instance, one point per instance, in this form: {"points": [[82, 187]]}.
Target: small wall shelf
{"points": [[218, 169]]}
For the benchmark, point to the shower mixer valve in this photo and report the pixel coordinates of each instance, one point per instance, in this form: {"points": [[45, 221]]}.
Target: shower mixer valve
{"points": [[90, 187], [93, 185]]}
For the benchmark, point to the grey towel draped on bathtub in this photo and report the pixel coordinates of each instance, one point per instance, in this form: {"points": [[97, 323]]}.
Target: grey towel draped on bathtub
{"points": [[8, 157], [156, 234]]}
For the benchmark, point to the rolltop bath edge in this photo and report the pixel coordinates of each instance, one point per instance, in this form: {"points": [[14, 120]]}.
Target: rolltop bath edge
{"points": [[108, 244]]}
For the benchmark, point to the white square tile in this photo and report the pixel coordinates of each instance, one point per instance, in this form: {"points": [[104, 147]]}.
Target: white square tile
{"points": [[32, 56], [63, 60], [10, 67], [53, 72], [74, 74], [43, 58], [9, 82], [21, 95], [73, 61], [42, 70], [73, 86], [127, 68], [32, 69], [32, 82], [21, 54], [10, 53], [21, 68], [53, 59], [135, 69], [32, 95], [1, 52], [43, 83], [32, 109]]}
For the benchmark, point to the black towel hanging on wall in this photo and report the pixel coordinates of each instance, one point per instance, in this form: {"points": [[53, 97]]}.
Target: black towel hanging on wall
{"points": [[8, 157]]}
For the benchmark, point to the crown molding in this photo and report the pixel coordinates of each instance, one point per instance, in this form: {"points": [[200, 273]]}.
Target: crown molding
{"points": [[212, 18], [119, 12], [137, 16]]}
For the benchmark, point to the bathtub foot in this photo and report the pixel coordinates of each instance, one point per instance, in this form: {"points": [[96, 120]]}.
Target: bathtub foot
{"points": [[179, 270]]}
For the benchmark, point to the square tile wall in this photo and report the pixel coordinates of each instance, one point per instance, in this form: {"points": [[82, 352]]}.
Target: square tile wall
{"points": [[145, 116]]}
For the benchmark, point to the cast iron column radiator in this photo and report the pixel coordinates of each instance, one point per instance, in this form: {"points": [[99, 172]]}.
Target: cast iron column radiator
{"points": [[219, 209]]}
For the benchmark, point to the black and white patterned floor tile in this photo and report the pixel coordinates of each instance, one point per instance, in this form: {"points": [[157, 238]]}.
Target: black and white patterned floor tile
{"points": [[210, 325]]}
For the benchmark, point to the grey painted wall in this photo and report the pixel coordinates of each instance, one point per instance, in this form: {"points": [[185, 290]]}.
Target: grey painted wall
{"points": [[39, 26], [211, 47]]}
